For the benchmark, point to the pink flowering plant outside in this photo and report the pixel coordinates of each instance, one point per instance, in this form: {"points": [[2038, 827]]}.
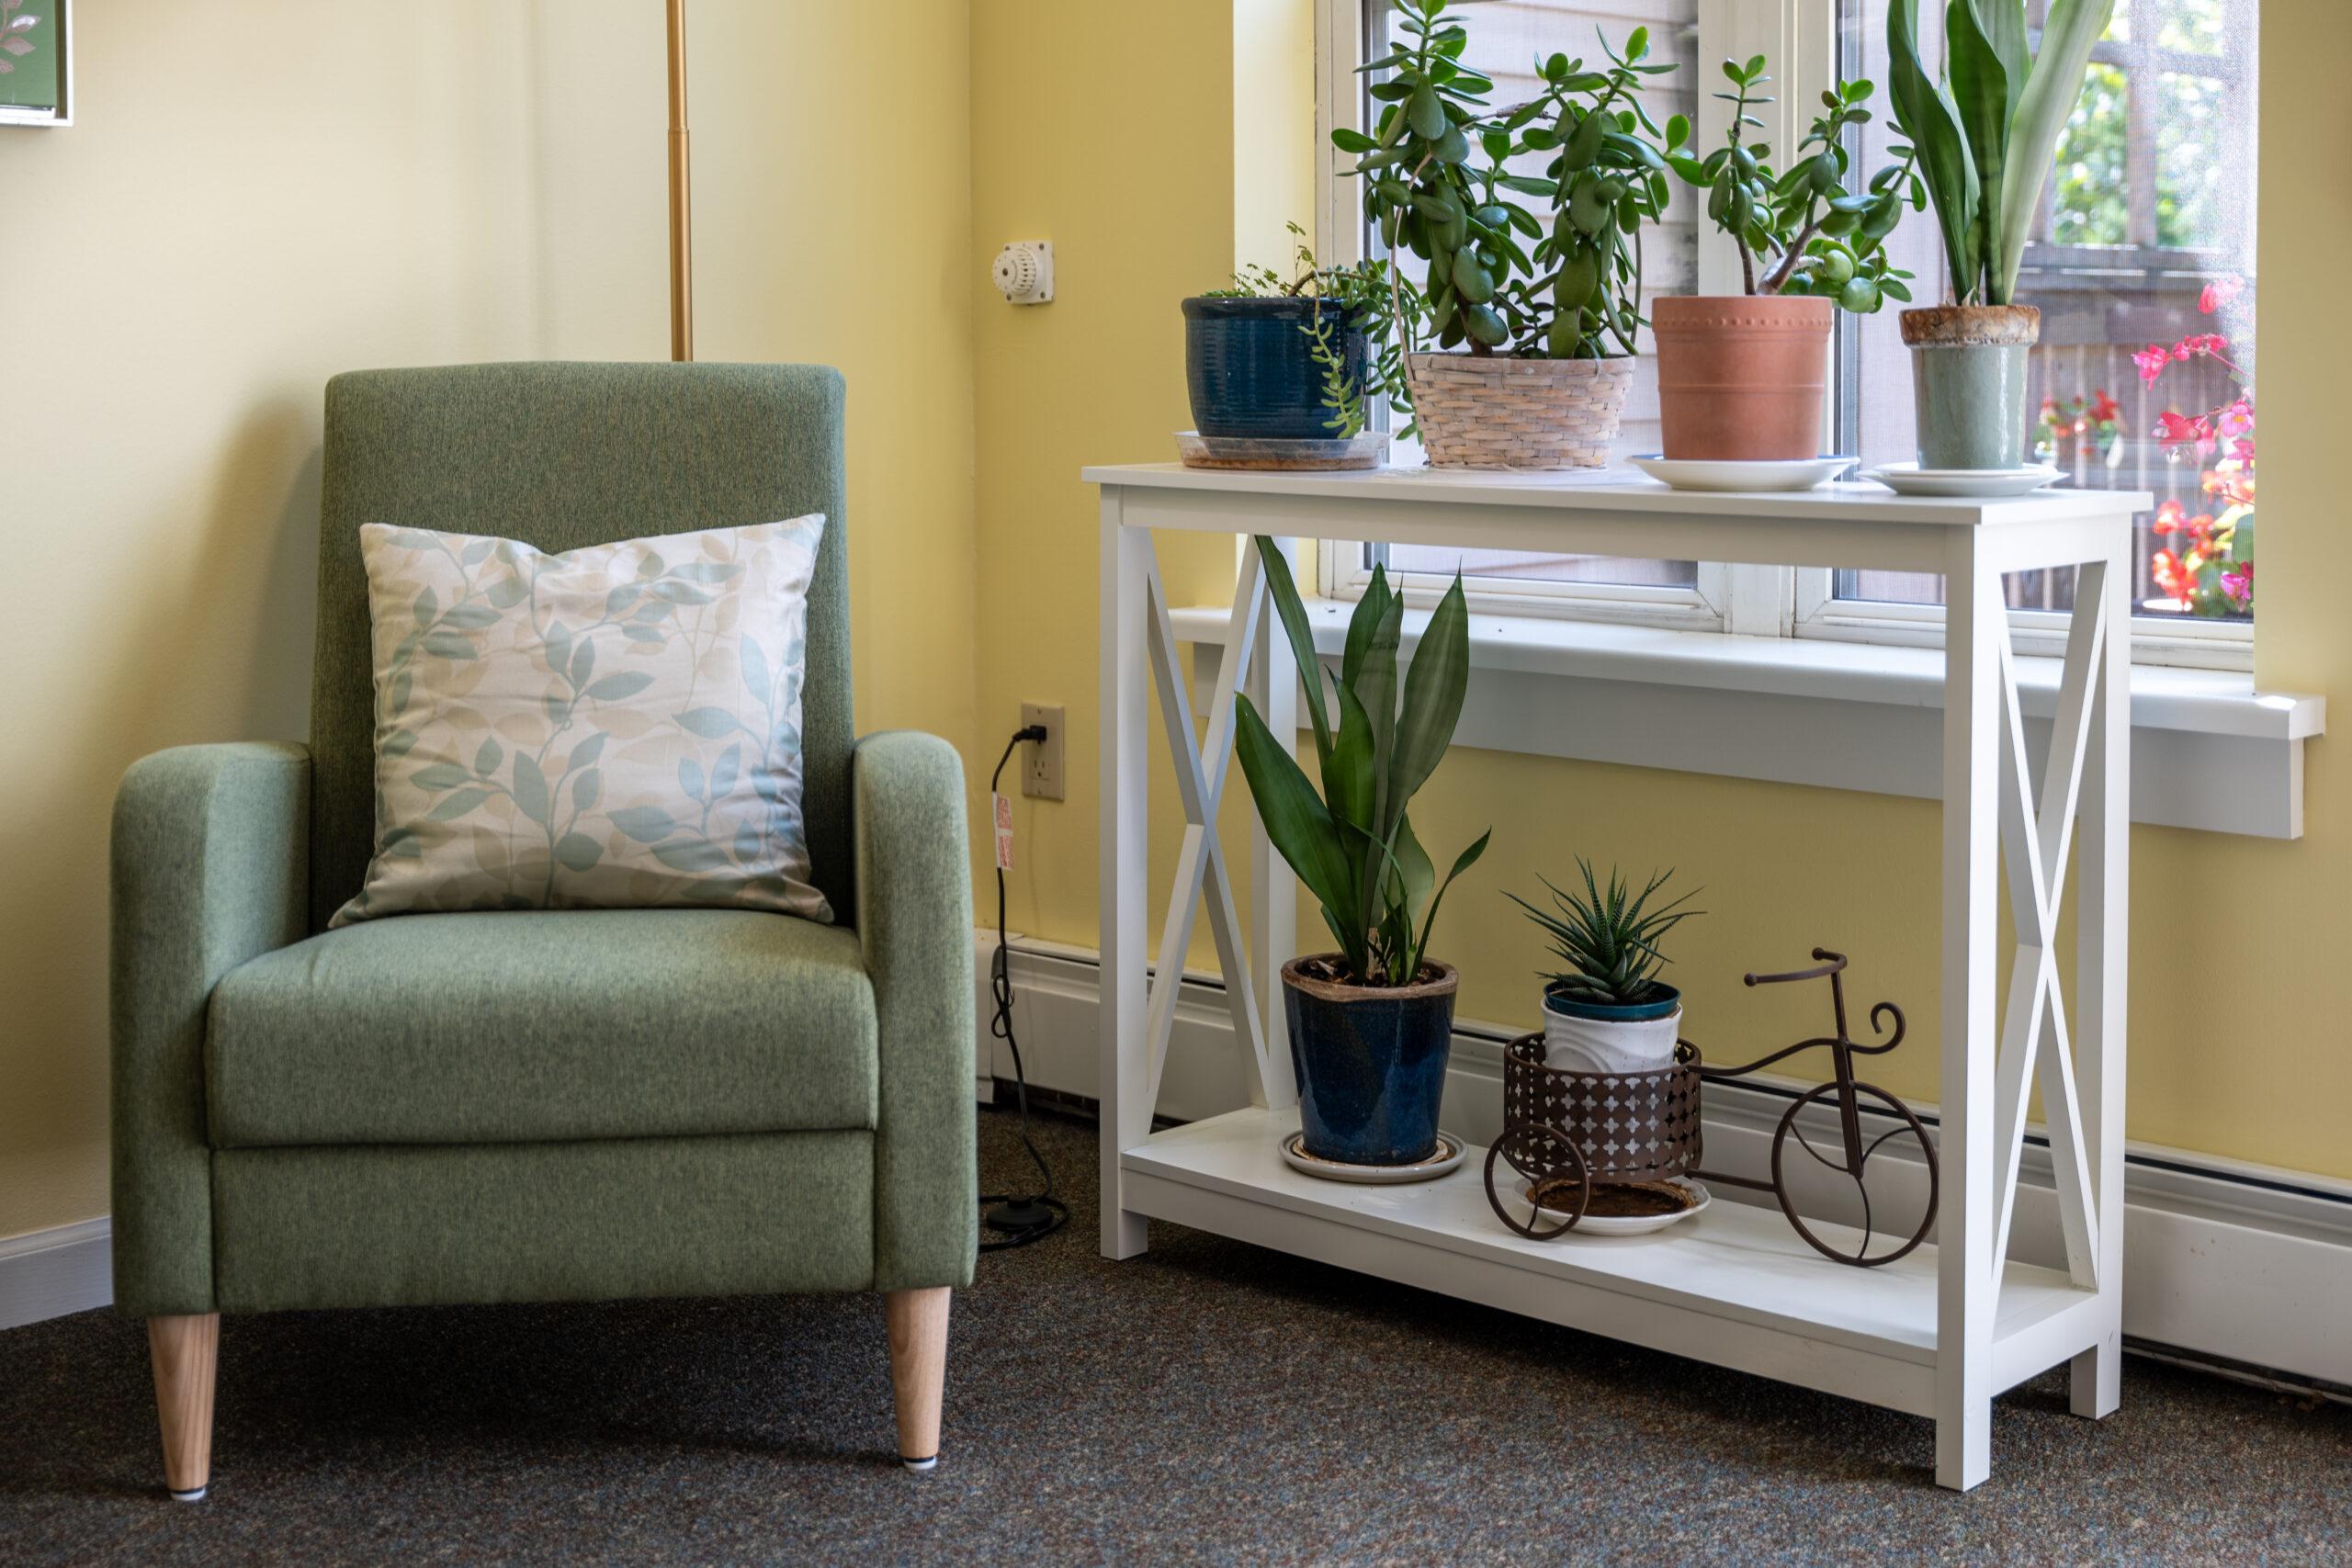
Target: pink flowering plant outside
{"points": [[2206, 565], [2081, 429]]}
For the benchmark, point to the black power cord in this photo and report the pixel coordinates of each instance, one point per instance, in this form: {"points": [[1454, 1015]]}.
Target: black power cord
{"points": [[1019, 1218]]}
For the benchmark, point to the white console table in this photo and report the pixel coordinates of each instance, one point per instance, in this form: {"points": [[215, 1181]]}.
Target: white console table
{"points": [[1937, 1334]]}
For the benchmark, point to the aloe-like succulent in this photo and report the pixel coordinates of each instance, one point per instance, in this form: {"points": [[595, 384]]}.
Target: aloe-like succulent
{"points": [[1609, 937], [1354, 846]]}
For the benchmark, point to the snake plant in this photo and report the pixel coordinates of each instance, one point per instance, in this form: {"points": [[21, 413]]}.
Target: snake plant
{"points": [[1609, 939], [1986, 132], [1353, 846]]}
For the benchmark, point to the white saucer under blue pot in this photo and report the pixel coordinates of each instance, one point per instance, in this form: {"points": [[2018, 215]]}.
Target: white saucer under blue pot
{"points": [[1445, 1157], [1696, 473]]}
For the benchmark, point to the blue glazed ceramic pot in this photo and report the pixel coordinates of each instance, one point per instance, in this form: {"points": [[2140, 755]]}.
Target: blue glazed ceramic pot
{"points": [[1249, 371], [1370, 1063]]}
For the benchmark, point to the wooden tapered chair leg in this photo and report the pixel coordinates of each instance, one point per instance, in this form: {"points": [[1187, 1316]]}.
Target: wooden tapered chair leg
{"points": [[918, 1323], [185, 1352]]}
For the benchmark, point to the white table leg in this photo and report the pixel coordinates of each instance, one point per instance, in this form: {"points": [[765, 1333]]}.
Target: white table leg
{"points": [[1124, 1087], [2102, 921], [1967, 1290]]}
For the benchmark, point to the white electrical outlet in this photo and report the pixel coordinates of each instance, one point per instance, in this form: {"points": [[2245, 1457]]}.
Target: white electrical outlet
{"points": [[1041, 763], [1025, 272]]}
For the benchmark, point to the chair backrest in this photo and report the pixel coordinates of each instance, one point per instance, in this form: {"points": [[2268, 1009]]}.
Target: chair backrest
{"points": [[563, 456]]}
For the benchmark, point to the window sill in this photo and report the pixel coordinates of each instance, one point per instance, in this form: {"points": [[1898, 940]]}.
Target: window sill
{"points": [[2208, 751]]}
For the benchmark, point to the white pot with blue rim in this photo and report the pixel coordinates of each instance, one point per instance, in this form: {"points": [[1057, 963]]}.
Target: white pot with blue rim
{"points": [[1598, 1037]]}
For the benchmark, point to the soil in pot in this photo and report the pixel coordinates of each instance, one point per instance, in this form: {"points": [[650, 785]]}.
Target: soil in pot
{"points": [[1968, 369], [1369, 1061], [1250, 371], [1741, 378]]}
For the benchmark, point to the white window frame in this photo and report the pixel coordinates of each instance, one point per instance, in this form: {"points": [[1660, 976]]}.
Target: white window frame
{"points": [[1800, 38]]}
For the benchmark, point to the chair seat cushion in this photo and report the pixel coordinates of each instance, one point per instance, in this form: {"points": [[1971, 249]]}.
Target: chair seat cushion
{"points": [[532, 1025]]}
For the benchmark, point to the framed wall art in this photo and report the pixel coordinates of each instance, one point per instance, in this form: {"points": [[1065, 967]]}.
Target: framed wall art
{"points": [[36, 62]]}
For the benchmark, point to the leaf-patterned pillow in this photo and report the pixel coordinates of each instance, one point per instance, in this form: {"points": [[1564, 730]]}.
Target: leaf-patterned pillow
{"points": [[614, 728]]}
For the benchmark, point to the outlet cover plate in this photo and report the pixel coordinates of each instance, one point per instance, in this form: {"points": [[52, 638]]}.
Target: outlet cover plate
{"points": [[1041, 764]]}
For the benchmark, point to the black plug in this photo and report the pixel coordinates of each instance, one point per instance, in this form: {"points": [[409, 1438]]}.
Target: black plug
{"points": [[1031, 732]]}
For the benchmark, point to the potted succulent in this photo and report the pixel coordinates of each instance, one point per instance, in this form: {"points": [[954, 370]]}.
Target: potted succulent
{"points": [[1742, 379], [1607, 1011], [1372, 1023], [1290, 358], [1985, 137], [1531, 314]]}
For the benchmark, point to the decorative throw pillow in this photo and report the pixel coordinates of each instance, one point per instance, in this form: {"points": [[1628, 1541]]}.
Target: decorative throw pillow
{"points": [[618, 726]]}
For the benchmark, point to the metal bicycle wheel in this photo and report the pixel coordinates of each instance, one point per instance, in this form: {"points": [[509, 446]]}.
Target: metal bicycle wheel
{"points": [[1519, 1145], [1907, 1127]]}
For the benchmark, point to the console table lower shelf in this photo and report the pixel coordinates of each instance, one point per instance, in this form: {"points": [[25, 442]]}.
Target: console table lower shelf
{"points": [[1733, 1285]]}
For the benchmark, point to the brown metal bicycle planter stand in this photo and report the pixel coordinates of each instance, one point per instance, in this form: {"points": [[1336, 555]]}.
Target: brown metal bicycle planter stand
{"points": [[1588, 1130], [1848, 1093]]}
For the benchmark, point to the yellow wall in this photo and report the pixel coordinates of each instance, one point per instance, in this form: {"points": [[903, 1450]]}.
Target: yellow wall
{"points": [[1108, 130], [203, 261], [2241, 988], [444, 180]]}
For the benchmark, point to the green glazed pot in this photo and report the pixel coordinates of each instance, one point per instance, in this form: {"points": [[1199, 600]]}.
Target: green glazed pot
{"points": [[1968, 364]]}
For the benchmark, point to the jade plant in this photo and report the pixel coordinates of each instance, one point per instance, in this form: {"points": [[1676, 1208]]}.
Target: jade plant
{"points": [[1801, 230], [1353, 846], [1561, 283], [1986, 131], [1608, 938]]}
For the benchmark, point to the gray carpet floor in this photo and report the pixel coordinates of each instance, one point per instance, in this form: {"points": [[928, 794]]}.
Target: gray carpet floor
{"points": [[1209, 1401]]}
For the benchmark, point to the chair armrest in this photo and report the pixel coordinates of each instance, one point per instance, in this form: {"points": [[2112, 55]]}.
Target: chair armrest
{"points": [[210, 868], [914, 921]]}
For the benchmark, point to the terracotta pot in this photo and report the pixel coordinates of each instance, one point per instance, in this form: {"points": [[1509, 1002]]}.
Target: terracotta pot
{"points": [[1741, 378], [1968, 369]]}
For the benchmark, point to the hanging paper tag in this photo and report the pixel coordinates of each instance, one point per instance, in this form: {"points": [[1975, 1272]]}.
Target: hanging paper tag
{"points": [[1003, 809]]}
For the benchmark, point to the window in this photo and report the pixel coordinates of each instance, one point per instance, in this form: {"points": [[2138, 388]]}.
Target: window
{"points": [[2145, 245], [2147, 222], [1506, 39]]}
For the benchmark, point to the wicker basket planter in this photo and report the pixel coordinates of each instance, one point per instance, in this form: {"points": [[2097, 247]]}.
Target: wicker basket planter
{"points": [[1489, 411]]}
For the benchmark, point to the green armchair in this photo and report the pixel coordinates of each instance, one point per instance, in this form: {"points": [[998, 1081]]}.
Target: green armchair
{"points": [[549, 1105]]}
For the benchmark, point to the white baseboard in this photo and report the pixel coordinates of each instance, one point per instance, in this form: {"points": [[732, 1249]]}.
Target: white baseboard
{"points": [[49, 1273], [2228, 1261]]}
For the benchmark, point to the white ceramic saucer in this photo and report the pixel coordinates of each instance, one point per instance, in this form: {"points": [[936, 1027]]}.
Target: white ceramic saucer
{"points": [[1445, 1157], [1910, 479], [1693, 473], [1630, 1225]]}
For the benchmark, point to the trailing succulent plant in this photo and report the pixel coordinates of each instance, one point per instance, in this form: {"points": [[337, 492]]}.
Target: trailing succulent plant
{"points": [[1361, 297], [1608, 938], [1800, 230], [1503, 279], [1987, 130], [1353, 846]]}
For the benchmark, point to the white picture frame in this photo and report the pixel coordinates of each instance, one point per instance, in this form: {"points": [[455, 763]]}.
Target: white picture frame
{"points": [[39, 25]]}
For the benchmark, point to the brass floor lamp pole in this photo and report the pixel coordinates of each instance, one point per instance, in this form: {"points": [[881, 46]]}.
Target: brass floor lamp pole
{"points": [[682, 267]]}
